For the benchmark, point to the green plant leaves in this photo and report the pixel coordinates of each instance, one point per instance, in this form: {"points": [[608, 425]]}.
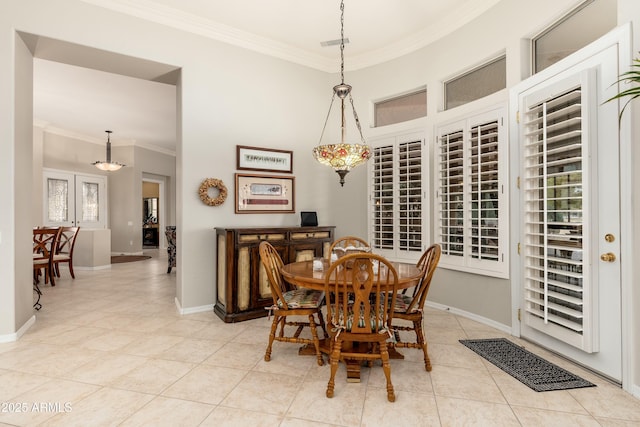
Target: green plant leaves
{"points": [[630, 77]]}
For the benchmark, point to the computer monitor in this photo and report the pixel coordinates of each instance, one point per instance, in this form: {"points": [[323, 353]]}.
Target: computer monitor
{"points": [[308, 219]]}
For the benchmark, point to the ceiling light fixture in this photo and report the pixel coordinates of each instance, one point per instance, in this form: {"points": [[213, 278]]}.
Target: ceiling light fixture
{"points": [[342, 156], [108, 166]]}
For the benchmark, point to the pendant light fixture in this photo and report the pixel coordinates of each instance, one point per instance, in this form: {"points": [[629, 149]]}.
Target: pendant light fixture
{"points": [[342, 156], [108, 166]]}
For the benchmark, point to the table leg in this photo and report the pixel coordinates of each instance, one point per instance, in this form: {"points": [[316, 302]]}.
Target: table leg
{"points": [[353, 366], [394, 353], [353, 370]]}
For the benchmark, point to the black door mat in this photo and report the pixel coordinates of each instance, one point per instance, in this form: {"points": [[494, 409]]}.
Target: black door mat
{"points": [[528, 368]]}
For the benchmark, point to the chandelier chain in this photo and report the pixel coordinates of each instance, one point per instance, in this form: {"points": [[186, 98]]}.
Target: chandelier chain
{"points": [[342, 41], [327, 119]]}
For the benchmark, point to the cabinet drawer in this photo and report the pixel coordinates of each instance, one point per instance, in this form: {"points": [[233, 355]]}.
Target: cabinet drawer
{"points": [[310, 235], [257, 237]]}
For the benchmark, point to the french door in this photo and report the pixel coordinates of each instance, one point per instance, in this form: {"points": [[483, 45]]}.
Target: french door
{"points": [[569, 213], [74, 200]]}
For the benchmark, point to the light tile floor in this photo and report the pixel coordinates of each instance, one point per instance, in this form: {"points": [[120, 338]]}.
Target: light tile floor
{"points": [[109, 348]]}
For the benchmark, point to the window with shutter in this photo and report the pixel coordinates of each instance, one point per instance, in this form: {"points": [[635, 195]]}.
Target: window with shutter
{"points": [[471, 202], [410, 196], [396, 196]]}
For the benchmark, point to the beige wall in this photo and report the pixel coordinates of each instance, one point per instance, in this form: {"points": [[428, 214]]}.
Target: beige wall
{"points": [[22, 180]]}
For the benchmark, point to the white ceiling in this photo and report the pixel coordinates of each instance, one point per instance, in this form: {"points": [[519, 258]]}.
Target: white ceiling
{"points": [[85, 102]]}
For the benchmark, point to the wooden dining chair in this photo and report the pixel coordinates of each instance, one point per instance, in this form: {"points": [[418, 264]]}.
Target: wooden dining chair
{"points": [[359, 300], [409, 306], [44, 244], [287, 303], [64, 249], [348, 241]]}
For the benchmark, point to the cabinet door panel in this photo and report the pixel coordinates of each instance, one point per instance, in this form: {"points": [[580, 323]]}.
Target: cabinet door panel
{"points": [[305, 251]]}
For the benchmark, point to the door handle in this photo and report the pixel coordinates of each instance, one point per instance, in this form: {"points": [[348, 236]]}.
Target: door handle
{"points": [[608, 257]]}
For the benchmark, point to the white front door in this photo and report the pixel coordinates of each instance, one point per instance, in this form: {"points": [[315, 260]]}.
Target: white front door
{"points": [[569, 211], [74, 200], [91, 197]]}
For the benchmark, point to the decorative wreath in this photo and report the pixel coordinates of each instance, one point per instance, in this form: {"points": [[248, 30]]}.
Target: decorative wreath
{"points": [[204, 192]]}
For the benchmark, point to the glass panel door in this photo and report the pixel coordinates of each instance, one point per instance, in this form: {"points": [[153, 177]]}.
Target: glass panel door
{"points": [[74, 200], [58, 197], [90, 201]]}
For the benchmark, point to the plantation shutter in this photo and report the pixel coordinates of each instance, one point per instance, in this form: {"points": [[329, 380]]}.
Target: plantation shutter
{"points": [[396, 198], [556, 187], [382, 197], [484, 191], [410, 196], [471, 204], [451, 193]]}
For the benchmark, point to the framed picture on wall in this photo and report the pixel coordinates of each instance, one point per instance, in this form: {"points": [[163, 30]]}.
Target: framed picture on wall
{"points": [[264, 194], [264, 159]]}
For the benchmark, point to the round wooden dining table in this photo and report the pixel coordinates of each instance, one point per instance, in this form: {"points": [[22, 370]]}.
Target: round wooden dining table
{"points": [[302, 274]]}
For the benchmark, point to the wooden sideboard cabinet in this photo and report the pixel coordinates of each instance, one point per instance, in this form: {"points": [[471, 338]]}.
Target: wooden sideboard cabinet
{"points": [[242, 287]]}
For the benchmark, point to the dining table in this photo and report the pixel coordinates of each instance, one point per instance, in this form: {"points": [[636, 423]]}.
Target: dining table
{"points": [[305, 274]]}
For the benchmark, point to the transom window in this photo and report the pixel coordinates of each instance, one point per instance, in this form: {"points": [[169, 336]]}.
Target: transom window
{"points": [[590, 20], [400, 109], [477, 83]]}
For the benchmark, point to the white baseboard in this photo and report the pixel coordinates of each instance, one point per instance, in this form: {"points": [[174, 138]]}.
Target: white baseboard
{"points": [[127, 253], [635, 391], [192, 310], [97, 267], [24, 328], [499, 326]]}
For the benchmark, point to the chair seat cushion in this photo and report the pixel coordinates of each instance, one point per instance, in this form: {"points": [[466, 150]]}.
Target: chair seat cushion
{"points": [[348, 322], [302, 298], [61, 257], [402, 302]]}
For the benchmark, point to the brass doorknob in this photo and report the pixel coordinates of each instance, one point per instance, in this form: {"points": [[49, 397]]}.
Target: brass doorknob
{"points": [[608, 257]]}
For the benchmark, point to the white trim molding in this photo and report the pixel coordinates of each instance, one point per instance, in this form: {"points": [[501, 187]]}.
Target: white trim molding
{"points": [[20, 332], [192, 310]]}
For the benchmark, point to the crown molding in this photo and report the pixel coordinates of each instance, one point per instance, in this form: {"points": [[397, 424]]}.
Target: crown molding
{"points": [[86, 138], [175, 18], [444, 26]]}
